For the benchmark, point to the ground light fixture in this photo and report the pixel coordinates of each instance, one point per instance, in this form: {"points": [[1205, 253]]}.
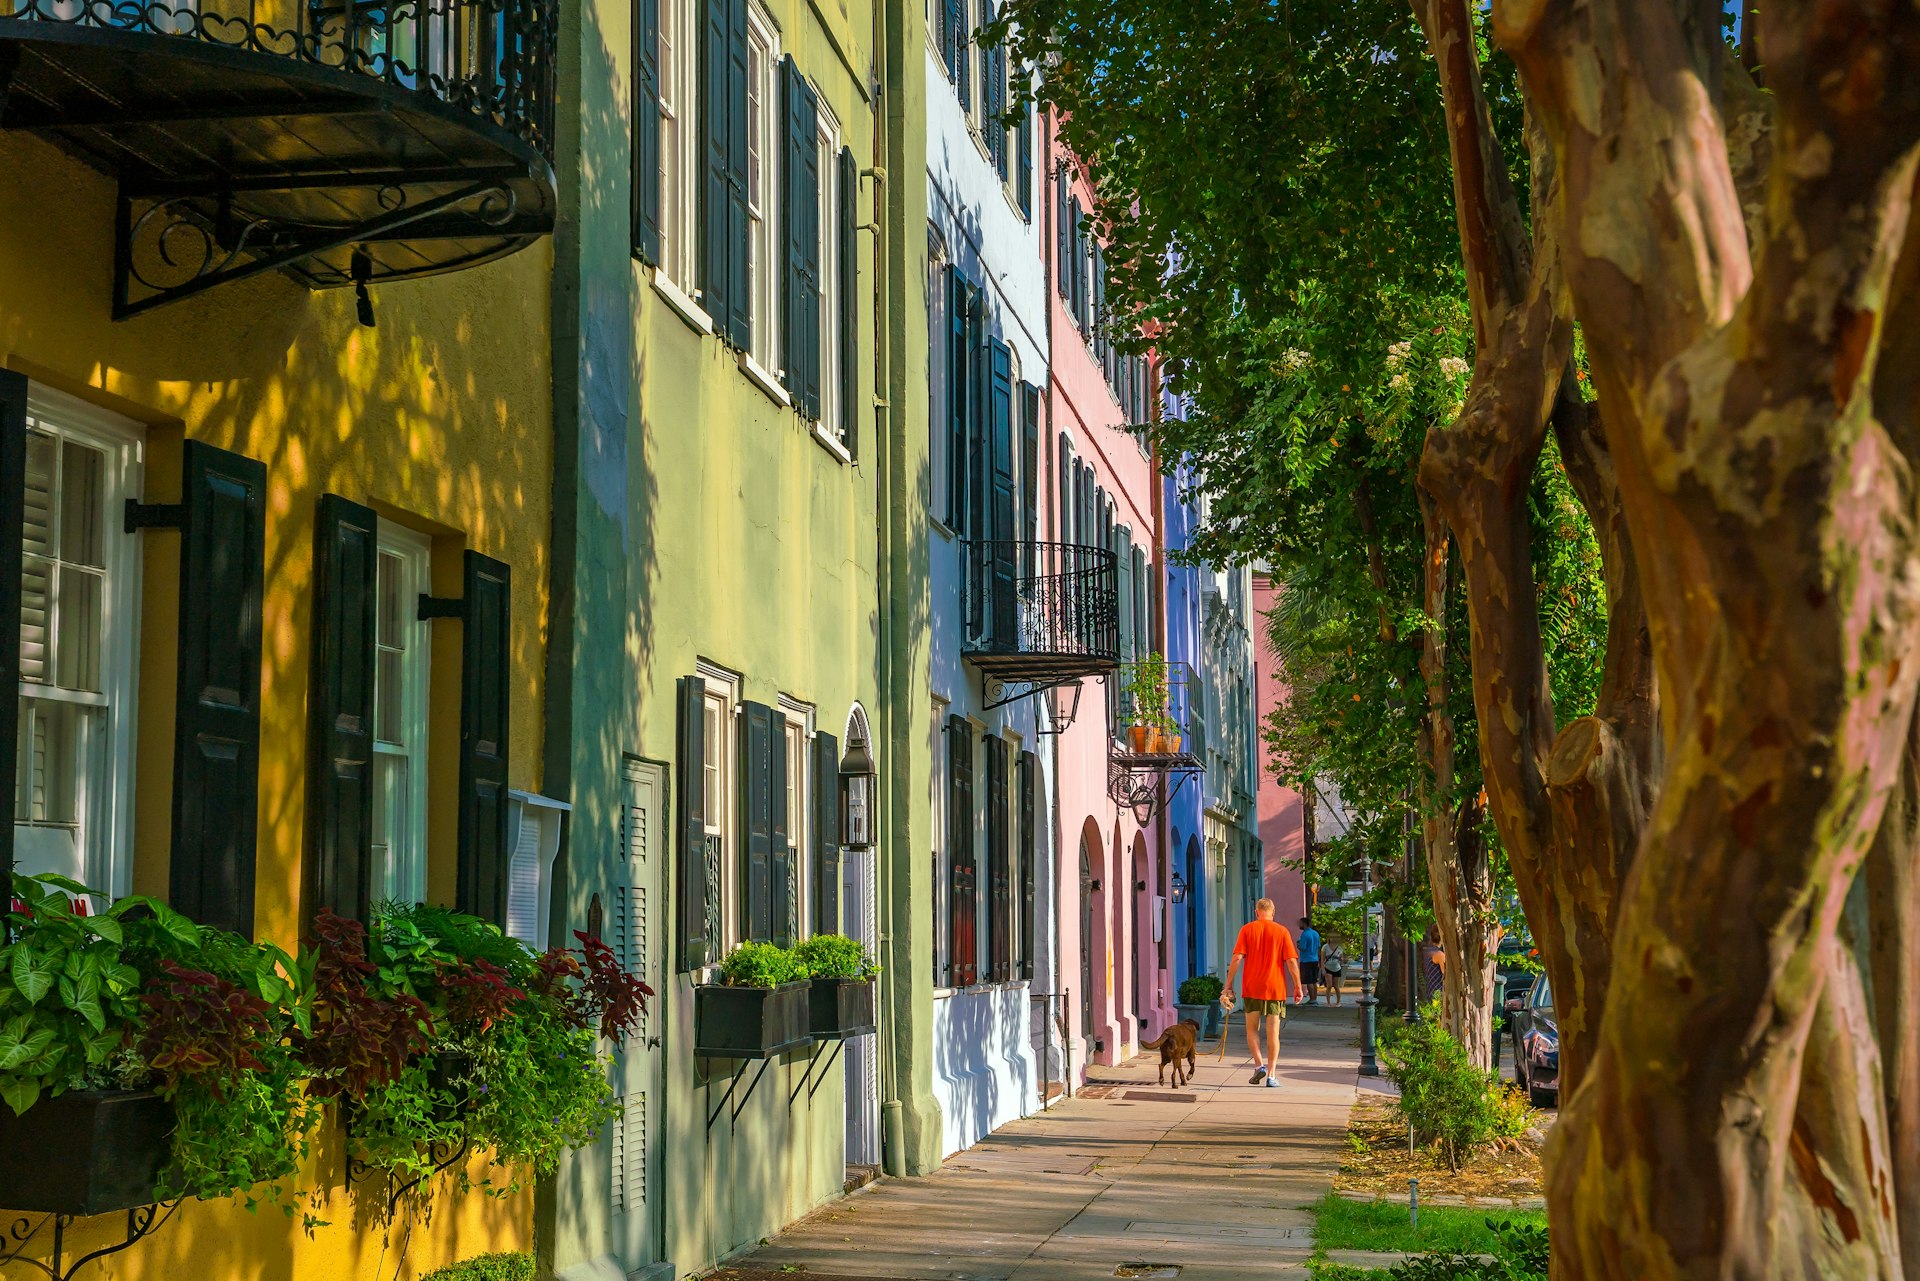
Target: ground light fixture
{"points": [[856, 795]]}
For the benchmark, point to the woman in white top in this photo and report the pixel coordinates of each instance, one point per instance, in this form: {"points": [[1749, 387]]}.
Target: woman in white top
{"points": [[1332, 962]]}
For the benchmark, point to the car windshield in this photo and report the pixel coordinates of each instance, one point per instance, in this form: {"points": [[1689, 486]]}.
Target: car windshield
{"points": [[1542, 994]]}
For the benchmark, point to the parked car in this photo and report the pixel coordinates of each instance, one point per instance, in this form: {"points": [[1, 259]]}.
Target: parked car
{"points": [[1517, 962], [1536, 1044]]}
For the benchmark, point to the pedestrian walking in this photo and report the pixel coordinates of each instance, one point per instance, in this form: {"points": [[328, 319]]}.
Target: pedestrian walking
{"points": [[1310, 960], [1271, 959], [1333, 961]]}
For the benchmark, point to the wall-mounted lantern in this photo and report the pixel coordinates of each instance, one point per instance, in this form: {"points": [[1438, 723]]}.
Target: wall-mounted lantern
{"points": [[1179, 888], [856, 795]]}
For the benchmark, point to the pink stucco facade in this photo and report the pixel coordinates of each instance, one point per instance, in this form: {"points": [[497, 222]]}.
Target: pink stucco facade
{"points": [[1112, 877], [1282, 815]]}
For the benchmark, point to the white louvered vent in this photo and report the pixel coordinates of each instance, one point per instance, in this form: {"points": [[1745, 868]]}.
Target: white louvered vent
{"points": [[523, 880], [630, 1155], [637, 836]]}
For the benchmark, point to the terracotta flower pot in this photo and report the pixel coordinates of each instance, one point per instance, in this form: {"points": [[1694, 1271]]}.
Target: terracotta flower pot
{"points": [[1137, 738]]}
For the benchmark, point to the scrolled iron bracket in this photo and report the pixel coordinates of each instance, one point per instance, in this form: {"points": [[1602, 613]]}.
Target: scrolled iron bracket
{"points": [[142, 1222]]}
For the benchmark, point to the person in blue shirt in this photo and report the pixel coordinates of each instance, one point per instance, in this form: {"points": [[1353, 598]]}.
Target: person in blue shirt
{"points": [[1310, 960]]}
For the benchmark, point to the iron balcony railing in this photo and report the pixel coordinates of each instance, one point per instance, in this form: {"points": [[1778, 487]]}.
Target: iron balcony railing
{"points": [[1162, 721], [493, 59], [1041, 611]]}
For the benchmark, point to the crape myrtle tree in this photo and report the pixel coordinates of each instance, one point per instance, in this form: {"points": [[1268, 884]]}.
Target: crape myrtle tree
{"points": [[1718, 859]]}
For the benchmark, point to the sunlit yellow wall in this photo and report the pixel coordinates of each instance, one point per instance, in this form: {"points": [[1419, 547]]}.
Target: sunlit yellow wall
{"points": [[440, 417]]}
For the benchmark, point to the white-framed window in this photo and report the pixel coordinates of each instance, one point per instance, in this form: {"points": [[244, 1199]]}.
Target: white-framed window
{"points": [[827, 141], [79, 610], [799, 741], [679, 53], [938, 411], [402, 652], [764, 259], [720, 717]]}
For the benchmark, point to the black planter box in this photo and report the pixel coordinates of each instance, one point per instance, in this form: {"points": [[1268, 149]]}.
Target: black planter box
{"points": [[841, 1008], [84, 1152], [749, 1022]]}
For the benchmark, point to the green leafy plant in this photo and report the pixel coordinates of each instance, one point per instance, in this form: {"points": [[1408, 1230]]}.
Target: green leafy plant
{"points": [[761, 965], [1451, 1105], [487, 1267], [1145, 689], [1201, 989], [835, 956], [1519, 1254]]}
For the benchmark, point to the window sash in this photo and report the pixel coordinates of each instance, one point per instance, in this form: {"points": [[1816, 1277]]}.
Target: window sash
{"points": [[717, 779], [763, 179], [827, 142], [73, 782], [401, 690], [679, 143]]}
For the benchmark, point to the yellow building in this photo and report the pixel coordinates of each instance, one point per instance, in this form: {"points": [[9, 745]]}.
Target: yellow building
{"points": [[187, 409]]}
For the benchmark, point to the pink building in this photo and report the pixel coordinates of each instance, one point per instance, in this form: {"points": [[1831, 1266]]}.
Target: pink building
{"points": [[1282, 815], [1114, 927]]}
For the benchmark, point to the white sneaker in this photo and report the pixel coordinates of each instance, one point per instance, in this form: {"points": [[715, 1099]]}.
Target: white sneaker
{"points": [[1273, 1082]]}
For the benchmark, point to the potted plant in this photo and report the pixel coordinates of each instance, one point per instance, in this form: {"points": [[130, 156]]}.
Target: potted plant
{"points": [[1193, 1003], [841, 993], [1204, 991], [759, 1008], [142, 1057], [1145, 689]]}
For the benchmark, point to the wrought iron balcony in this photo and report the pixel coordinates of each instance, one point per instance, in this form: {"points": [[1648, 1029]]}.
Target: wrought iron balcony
{"points": [[345, 142], [1040, 614]]}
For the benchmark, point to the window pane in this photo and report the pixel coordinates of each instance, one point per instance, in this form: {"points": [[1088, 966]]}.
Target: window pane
{"points": [[389, 676], [82, 497], [715, 745], [52, 737], [392, 827], [36, 575], [78, 650]]}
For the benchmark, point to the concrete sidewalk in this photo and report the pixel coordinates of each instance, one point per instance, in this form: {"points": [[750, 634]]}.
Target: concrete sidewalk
{"points": [[1214, 1178]]}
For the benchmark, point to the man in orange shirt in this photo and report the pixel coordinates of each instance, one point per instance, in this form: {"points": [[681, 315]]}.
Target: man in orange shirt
{"points": [[1271, 959]]}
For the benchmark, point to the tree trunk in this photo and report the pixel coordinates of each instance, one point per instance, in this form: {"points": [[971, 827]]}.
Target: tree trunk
{"points": [[1731, 1123]]}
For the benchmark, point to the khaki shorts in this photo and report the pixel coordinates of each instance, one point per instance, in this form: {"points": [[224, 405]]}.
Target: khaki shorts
{"points": [[1264, 1005]]}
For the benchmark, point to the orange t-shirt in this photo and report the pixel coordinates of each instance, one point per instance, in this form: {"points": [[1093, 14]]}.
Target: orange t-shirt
{"points": [[1268, 946]]}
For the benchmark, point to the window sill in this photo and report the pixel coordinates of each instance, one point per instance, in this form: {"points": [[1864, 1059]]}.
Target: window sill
{"points": [[831, 443], [690, 311], [765, 381], [941, 528]]}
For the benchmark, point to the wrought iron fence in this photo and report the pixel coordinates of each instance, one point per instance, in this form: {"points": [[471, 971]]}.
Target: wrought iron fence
{"points": [[491, 58], [1042, 599]]}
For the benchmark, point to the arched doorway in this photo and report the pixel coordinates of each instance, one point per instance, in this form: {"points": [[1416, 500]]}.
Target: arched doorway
{"points": [[1086, 939]]}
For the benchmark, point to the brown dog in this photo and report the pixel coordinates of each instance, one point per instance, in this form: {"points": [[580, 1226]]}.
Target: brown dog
{"points": [[1176, 1047]]}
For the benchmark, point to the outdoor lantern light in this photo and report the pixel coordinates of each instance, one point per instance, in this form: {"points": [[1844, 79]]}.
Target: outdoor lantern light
{"points": [[1179, 889], [856, 795], [1142, 802]]}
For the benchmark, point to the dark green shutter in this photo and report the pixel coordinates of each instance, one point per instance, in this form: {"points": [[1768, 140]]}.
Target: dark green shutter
{"points": [[739, 326], [979, 398], [756, 794], [13, 518], [826, 835], [849, 301], [1063, 238], [959, 377], [216, 744], [950, 24], [802, 220], [1078, 262], [695, 889], [962, 926], [1000, 513], [784, 862], [483, 868], [1024, 184], [340, 708], [1029, 862], [646, 129], [1029, 462], [993, 96], [999, 869], [963, 57], [723, 240]]}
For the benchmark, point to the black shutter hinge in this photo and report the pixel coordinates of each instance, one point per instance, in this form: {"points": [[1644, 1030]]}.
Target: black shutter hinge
{"points": [[441, 607], [154, 516]]}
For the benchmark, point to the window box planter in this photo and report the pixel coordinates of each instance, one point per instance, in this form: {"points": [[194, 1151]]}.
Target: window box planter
{"points": [[84, 1152], [841, 1008], [749, 1022]]}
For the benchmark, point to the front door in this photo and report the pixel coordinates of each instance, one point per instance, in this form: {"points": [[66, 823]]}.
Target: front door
{"points": [[639, 938]]}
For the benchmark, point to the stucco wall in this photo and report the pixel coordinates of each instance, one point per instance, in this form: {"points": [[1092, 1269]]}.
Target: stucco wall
{"points": [[1282, 830], [439, 418]]}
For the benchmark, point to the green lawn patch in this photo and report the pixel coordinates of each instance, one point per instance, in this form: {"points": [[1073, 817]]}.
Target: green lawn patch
{"points": [[1382, 1225]]}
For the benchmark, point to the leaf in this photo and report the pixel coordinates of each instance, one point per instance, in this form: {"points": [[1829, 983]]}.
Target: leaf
{"points": [[101, 1047], [24, 1049], [106, 927], [31, 975], [20, 1092]]}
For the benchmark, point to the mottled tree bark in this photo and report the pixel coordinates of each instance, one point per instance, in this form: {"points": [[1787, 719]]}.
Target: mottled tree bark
{"points": [[1733, 1121]]}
